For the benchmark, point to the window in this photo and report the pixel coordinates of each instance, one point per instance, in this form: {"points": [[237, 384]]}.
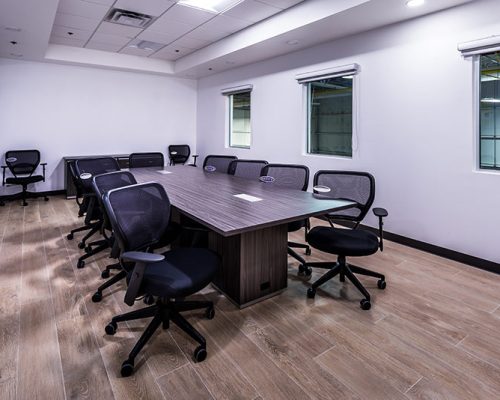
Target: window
{"points": [[240, 131], [489, 111], [329, 110]]}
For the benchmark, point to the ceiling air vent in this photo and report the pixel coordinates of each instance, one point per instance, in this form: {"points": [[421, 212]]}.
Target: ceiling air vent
{"points": [[129, 18]]}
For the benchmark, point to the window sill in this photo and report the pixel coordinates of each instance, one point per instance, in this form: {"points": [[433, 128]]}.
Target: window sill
{"points": [[336, 157]]}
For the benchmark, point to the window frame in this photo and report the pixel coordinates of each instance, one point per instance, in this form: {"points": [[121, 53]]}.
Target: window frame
{"points": [[354, 116], [230, 97], [477, 117]]}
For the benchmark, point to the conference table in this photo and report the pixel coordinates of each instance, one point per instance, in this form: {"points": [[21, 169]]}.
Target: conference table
{"points": [[247, 222]]}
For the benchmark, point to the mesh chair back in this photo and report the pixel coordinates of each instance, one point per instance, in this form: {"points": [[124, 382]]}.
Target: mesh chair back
{"points": [[350, 185], [178, 153], [141, 160], [249, 169], [112, 180], [288, 175], [87, 168], [221, 163], [22, 162], [139, 214]]}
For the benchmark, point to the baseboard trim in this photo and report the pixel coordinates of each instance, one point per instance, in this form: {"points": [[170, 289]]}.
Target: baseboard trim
{"points": [[436, 250]]}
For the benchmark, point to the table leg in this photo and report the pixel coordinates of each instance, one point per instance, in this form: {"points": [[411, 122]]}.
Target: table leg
{"points": [[254, 264]]}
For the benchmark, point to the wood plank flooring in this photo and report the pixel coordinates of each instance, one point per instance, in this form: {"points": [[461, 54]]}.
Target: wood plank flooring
{"points": [[434, 333]]}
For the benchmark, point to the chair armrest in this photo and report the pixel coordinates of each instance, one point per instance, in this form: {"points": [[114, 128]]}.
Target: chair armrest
{"points": [[140, 256], [44, 164], [141, 260], [4, 167], [195, 156], [380, 213]]}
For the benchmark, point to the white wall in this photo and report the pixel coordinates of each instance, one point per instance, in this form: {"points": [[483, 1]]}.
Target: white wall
{"points": [[416, 131], [67, 110]]}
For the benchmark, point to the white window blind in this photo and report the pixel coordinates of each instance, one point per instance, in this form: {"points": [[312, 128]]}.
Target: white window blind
{"points": [[350, 69], [237, 89], [480, 46]]}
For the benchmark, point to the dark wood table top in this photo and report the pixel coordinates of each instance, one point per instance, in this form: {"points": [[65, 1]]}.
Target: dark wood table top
{"points": [[208, 198]]}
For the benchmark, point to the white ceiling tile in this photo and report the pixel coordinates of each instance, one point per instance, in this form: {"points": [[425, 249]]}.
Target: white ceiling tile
{"points": [[136, 52], [62, 31], [157, 37], [207, 34], [109, 28], [75, 21], [67, 41], [189, 15], [103, 46], [82, 8], [172, 52], [224, 23], [191, 43], [283, 4], [168, 27], [148, 7], [252, 10], [111, 39]]}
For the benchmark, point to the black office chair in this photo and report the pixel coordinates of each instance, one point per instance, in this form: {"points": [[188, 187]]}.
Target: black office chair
{"points": [[140, 215], [219, 162], [86, 169], [360, 188], [296, 177], [83, 202], [141, 160], [249, 169], [179, 154], [102, 184], [22, 164]]}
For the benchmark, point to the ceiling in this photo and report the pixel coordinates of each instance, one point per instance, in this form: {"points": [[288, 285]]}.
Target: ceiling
{"points": [[186, 41]]}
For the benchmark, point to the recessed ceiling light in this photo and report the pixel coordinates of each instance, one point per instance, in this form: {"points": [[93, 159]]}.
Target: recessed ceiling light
{"points": [[414, 3], [214, 6], [292, 42]]}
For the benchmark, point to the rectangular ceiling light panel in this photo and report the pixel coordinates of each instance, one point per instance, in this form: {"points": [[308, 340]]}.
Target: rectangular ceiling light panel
{"points": [[214, 6]]}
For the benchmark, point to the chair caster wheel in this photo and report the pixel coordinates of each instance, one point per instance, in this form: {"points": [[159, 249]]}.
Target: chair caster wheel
{"points": [[306, 271], [111, 328], [365, 304], [46, 198], [200, 354], [105, 274], [88, 249], [311, 293], [81, 245], [308, 252], [80, 264], [210, 313], [69, 236], [381, 284], [97, 297], [127, 368], [149, 300]]}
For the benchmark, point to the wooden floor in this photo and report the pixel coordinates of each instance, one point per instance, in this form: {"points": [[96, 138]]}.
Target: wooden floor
{"points": [[434, 333]]}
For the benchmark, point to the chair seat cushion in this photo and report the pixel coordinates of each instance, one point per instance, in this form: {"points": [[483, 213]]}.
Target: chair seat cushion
{"points": [[345, 242], [25, 180], [184, 271], [296, 225]]}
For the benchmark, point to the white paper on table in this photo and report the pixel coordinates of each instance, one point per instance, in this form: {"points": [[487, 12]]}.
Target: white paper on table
{"points": [[247, 197], [164, 172]]}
